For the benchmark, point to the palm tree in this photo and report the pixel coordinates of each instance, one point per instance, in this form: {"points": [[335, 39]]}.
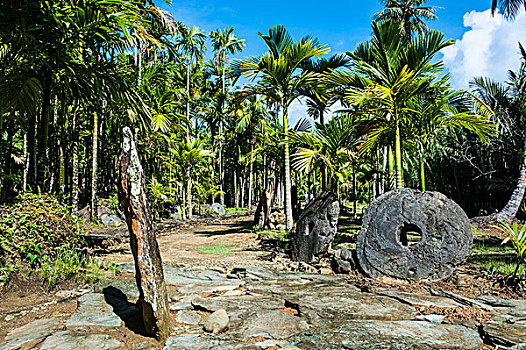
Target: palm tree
{"points": [[387, 73], [224, 42], [408, 14], [318, 96], [331, 146], [280, 77], [509, 8], [191, 42], [508, 102], [439, 112]]}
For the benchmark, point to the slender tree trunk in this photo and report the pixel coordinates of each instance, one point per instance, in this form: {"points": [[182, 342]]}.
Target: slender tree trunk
{"points": [[94, 216], [355, 193], [44, 131], [422, 170], [26, 165], [398, 157], [236, 196], [221, 167], [75, 166], [189, 197], [32, 169], [287, 182], [242, 183], [2, 169], [392, 172], [250, 177], [221, 170], [512, 207], [189, 126]]}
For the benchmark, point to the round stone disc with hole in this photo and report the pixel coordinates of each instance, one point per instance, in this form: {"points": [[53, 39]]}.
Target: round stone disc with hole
{"points": [[409, 234]]}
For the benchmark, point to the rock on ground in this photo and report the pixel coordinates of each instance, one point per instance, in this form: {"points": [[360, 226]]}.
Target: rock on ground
{"points": [[28, 336], [67, 340]]}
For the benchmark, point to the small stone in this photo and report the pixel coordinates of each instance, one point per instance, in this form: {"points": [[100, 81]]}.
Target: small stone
{"points": [[188, 317], [431, 318], [110, 220], [234, 293], [217, 322], [182, 305]]}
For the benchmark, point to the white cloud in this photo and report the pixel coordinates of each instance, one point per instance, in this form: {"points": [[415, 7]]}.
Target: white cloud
{"points": [[489, 48], [298, 110]]}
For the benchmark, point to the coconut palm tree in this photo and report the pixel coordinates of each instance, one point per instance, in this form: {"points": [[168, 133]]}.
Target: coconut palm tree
{"points": [[387, 73], [408, 14], [508, 102], [331, 146], [509, 8], [191, 43], [224, 42], [280, 76], [440, 111]]}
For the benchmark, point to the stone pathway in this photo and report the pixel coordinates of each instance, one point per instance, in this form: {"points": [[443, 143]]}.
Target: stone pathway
{"points": [[266, 309]]}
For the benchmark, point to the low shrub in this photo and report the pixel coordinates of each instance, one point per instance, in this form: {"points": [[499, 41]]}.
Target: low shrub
{"points": [[39, 236]]}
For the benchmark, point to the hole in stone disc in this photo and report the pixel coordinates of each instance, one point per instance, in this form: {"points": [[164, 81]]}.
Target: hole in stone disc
{"points": [[409, 234]]}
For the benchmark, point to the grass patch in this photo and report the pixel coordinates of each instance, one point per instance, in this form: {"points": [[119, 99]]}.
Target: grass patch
{"points": [[502, 267], [234, 210], [218, 249]]}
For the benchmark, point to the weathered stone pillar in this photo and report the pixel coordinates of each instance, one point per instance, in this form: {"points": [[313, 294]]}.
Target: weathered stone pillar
{"points": [[316, 227], [153, 301]]}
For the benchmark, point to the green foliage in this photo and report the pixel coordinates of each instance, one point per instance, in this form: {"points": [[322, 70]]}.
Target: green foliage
{"points": [[518, 239], [38, 234]]}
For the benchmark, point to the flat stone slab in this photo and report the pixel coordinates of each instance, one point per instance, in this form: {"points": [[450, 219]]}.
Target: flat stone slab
{"points": [[127, 286], [93, 310], [369, 335], [414, 299], [188, 317], [270, 324], [195, 342], [28, 336], [249, 302], [505, 334], [332, 297], [67, 340]]}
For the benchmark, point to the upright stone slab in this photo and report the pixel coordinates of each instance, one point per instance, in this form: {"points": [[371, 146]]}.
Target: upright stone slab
{"points": [[383, 247], [153, 300], [316, 227]]}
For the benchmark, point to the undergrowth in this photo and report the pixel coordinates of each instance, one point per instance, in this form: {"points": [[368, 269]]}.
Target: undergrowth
{"points": [[38, 236]]}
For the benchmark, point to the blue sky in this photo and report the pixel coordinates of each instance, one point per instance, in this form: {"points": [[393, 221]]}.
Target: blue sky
{"points": [[485, 45]]}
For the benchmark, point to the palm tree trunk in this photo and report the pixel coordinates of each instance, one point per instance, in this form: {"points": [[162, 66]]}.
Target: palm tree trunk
{"points": [[512, 207], [188, 101], [26, 165], [75, 166], [398, 158], [94, 157], [250, 177], [422, 171], [287, 183], [355, 193], [189, 197], [44, 131]]}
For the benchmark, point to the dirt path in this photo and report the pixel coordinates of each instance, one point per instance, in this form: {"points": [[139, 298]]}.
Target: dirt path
{"points": [[220, 245]]}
